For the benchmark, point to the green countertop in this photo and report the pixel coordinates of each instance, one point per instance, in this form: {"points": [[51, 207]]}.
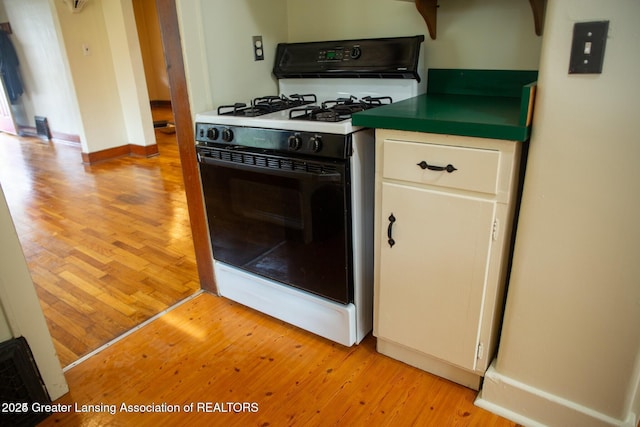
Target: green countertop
{"points": [[477, 103]]}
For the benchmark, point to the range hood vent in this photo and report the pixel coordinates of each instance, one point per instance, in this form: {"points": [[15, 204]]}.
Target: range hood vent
{"points": [[385, 58]]}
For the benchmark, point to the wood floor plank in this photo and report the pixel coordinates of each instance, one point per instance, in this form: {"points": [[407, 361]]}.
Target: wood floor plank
{"points": [[63, 351], [49, 283], [73, 261], [210, 350]]}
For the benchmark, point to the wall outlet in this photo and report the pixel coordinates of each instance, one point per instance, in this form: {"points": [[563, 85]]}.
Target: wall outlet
{"points": [[587, 49], [258, 48]]}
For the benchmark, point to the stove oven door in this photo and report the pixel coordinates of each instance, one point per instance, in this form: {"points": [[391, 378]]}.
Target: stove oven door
{"points": [[281, 218]]}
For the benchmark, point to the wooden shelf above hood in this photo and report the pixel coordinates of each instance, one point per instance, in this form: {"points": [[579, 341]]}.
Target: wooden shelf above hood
{"points": [[429, 11]]}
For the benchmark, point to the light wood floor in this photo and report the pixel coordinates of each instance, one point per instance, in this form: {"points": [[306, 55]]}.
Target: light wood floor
{"points": [[211, 350], [108, 245]]}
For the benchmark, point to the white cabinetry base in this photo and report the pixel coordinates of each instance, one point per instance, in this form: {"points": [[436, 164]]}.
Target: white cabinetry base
{"points": [[429, 364]]}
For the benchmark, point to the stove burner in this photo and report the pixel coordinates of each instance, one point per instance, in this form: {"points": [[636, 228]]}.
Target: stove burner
{"points": [[266, 105], [352, 100], [334, 110], [235, 109], [335, 113], [339, 109]]}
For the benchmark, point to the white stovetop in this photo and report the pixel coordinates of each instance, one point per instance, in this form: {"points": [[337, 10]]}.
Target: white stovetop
{"points": [[324, 89], [278, 120]]}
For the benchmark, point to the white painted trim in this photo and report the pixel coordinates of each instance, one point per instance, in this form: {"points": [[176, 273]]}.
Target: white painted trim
{"points": [[533, 407]]}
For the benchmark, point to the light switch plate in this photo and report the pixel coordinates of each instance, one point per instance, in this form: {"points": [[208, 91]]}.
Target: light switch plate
{"points": [[587, 49]]}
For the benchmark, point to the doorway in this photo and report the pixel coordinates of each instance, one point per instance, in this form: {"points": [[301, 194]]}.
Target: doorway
{"points": [[108, 245], [149, 37]]}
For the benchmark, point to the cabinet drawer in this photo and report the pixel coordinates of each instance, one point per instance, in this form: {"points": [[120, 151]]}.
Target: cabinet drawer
{"points": [[475, 169]]}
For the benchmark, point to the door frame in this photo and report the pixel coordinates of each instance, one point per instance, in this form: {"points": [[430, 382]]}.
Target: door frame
{"points": [[170, 34]]}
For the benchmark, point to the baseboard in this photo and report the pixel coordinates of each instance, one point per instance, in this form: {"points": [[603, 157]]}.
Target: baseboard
{"points": [[144, 150], [96, 156], [57, 136], [123, 150], [533, 407]]}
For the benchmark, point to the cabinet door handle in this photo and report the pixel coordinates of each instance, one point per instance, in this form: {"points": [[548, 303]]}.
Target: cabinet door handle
{"points": [[391, 242], [449, 168]]}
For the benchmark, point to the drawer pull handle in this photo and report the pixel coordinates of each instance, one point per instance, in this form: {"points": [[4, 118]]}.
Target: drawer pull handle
{"points": [[391, 242], [449, 168]]}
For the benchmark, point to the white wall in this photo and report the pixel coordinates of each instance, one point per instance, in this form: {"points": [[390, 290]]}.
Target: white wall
{"points": [[481, 34], [218, 50], [20, 311], [132, 91], [94, 76], [5, 330], [572, 324], [49, 91]]}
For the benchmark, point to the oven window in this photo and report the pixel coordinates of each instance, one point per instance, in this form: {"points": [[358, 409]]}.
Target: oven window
{"points": [[284, 222]]}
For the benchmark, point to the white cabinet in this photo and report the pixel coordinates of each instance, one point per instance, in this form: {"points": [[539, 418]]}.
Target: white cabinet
{"points": [[444, 213]]}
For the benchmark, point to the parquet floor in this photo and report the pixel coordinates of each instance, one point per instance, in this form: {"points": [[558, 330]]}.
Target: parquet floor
{"points": [[239, 367], [108, 245]]}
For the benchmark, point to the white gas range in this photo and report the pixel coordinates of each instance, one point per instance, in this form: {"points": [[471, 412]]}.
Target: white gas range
{"points": [[288, 184]]}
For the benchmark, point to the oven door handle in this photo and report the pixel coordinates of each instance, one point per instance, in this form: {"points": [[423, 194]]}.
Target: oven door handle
{"points": [[286, 173]]}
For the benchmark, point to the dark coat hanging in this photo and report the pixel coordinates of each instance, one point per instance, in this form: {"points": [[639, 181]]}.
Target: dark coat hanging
{"points": [[9, 68]]}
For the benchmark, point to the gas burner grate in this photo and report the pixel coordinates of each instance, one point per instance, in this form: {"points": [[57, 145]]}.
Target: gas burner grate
{"points": [[265, 105], [236, 109], [298, 99], [372, 102], [336, 113], [278, 103], [336, 110]]}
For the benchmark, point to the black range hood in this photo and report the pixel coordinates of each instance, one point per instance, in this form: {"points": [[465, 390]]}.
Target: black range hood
{"points": [[387, 58]]}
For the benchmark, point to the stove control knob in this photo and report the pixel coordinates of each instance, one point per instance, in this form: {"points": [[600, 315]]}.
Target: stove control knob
{"points": [[316, 143], [295, 142], [227, 135], [212, 133]]}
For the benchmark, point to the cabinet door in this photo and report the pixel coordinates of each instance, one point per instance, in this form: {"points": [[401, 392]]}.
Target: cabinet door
{"points": [[432, 280]]}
